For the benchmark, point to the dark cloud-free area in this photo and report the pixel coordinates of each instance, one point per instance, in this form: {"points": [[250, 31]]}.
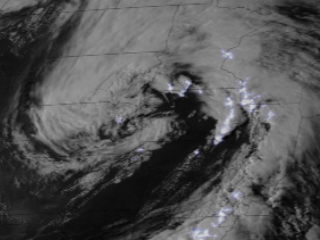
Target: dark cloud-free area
{"points": [[160, 120]]}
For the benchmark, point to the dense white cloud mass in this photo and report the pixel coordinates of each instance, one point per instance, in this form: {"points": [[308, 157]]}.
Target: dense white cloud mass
{"points": [[165, 119]]}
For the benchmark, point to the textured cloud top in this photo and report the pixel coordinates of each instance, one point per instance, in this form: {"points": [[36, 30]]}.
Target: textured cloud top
{"points": [[159, 119]]}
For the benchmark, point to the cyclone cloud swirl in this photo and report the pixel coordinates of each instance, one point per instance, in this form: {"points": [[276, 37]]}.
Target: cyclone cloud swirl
{"points": [[159, 120]]}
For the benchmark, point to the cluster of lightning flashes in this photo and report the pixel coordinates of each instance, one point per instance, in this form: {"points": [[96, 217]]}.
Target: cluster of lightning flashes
{"points": [[248, 103], [202, 234]]}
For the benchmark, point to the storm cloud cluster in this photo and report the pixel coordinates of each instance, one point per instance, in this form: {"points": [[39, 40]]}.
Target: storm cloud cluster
{"points": [[160, 119]]}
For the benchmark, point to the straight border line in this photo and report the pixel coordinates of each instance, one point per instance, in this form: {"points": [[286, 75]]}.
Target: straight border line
{"points": [[209, 3]]}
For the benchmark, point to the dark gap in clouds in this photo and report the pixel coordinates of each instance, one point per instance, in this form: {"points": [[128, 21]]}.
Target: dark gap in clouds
{"points": [[163, 163], [30, 59], [301, 12], [167, 101], [203, 173], [257, 190], [152, 174]]}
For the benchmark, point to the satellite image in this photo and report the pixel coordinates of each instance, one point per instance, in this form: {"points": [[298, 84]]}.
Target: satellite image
{"points": [[159, 120]]}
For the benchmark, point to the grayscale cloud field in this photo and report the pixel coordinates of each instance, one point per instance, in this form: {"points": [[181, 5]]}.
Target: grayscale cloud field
{"points": [[159, 120]]}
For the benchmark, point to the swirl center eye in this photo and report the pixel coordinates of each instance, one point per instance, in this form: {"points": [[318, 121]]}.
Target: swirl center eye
{"points": [[159, 119]]}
